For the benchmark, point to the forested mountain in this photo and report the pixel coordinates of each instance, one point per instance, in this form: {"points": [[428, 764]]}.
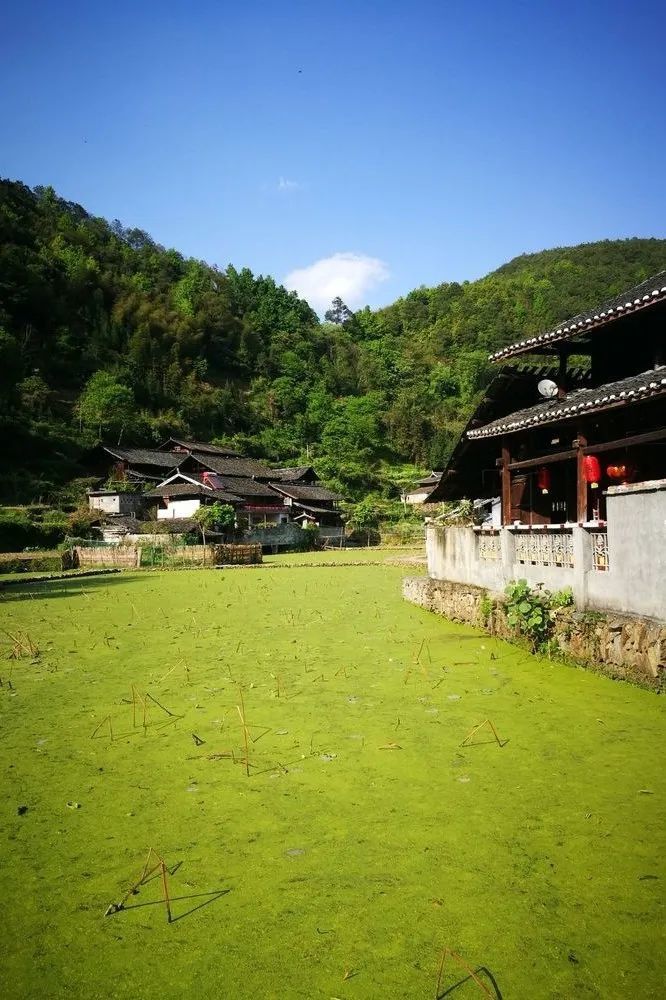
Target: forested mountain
{"points": [[105, 333]]}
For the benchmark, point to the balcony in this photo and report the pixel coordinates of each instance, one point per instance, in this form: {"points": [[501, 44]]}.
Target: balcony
{"points": [[619, 565]]}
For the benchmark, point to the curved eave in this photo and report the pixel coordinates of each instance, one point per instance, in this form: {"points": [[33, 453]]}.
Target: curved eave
{"points": [[574, 329], [603, 401]]}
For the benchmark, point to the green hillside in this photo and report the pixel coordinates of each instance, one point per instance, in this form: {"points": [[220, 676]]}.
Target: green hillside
{"points": [[104, 333]]}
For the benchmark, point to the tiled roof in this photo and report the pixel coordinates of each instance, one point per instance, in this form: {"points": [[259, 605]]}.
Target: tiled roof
{"points": [[305, 492], [145, 456], [627, 390], [246, 467], [639, 297], [208, 449], [192, 490], [292, 475], [310, 509], [244, 487]]}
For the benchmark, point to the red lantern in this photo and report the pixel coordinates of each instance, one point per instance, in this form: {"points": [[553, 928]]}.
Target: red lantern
{"points": [[625, 473], [543, 479], [592, 470]]}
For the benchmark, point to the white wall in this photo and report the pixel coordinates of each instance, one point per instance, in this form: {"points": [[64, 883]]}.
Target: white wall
{"points": [[636, 575], [109, 504], [179, 508], [634, 583]]}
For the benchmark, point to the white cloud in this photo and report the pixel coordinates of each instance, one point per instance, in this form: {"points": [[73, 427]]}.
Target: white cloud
{"points": [[347, 275], [286, 186]]}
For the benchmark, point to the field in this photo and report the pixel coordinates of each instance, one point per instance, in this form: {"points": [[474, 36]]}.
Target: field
{"points": [[335, 843]]}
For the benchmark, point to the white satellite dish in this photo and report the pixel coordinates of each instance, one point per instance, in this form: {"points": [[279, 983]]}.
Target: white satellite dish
{"points": [[548, 388]]}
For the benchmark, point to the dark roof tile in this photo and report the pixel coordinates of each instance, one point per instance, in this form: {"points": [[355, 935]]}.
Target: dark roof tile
{"points": [[202, 446], [293, 475], [146, 456], [647, 293], [246, 467], [627, 390], [305, 492]]}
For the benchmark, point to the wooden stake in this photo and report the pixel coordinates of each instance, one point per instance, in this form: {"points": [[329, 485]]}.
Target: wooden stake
{"points": [[241, 712], [160, 705], [95, 731], [474, 731], [463, 964], [167, 901]]}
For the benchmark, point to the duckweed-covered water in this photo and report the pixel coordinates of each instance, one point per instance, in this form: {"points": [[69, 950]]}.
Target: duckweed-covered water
{"points": [[365, 838]]}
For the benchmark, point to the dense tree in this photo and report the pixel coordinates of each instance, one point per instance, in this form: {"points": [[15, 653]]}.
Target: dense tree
{"points": [[103, 331], [214, 517], [105, 404]]}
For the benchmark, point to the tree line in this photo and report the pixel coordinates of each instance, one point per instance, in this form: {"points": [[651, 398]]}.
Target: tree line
{"points": [[105, 334]]}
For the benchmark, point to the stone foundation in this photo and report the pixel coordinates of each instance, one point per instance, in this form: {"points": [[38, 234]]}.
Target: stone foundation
{"points": [[621, 646]]}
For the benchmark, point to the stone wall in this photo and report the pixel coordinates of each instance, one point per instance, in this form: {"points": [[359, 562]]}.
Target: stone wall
{"points": [[276, 536], [621, 646]]}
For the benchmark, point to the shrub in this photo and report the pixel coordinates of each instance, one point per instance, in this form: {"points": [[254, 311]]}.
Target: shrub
{"points": [[532, 612], [19, 531], [486, 607], [34, 562]]}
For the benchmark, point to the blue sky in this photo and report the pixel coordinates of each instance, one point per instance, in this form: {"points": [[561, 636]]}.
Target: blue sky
{"points": [[360, 149]]}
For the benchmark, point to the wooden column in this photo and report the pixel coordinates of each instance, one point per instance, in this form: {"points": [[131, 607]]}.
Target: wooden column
{"points": [[581, 482], [562, 374], [506, 485]]}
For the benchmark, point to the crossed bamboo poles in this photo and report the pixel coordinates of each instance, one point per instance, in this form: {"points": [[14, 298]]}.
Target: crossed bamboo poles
{"points": [[463, 965], [147, 873], [137, 700]]}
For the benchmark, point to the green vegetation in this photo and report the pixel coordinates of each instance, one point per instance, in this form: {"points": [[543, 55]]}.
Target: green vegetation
{"points": [[215, 517], [104, 332], [531, 611], [365, 838]]}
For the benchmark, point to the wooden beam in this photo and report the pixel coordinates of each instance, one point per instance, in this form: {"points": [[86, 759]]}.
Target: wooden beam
{"points": [[627, 442], [584, 347], [581, 481], [531, 463], [506, 485], [589, 449]]}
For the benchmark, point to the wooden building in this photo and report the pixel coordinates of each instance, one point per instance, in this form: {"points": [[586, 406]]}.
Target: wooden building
{"points": [[552, 459], [420, 492], [185, 474], [312, 505]]}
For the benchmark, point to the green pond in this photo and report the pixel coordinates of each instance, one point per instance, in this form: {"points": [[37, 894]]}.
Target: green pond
{"points": [[290, 742]]}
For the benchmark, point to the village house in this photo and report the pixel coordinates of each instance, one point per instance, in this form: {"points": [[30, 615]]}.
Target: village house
{"points": [[183, 493], [313, 505], [304, 474], [134, 465], [423, 488], [195, 473], [574, 450]]}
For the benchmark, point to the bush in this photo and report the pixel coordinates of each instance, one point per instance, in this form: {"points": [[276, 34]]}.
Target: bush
{"points": [[532, 612], [34, 562], [19, 531], [82, 523], [310, 540]]}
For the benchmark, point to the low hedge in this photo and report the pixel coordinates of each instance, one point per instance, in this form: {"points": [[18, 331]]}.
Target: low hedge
{"points": [[18, 530], [35, 562]]}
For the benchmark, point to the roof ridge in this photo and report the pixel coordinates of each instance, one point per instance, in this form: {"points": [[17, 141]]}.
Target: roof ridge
{"points": [[589, 399], [645, 293]]}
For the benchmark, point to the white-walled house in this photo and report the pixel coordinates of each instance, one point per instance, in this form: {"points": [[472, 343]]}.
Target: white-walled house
{"points": [[180, 496], [116, 502], [422, 490]]}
